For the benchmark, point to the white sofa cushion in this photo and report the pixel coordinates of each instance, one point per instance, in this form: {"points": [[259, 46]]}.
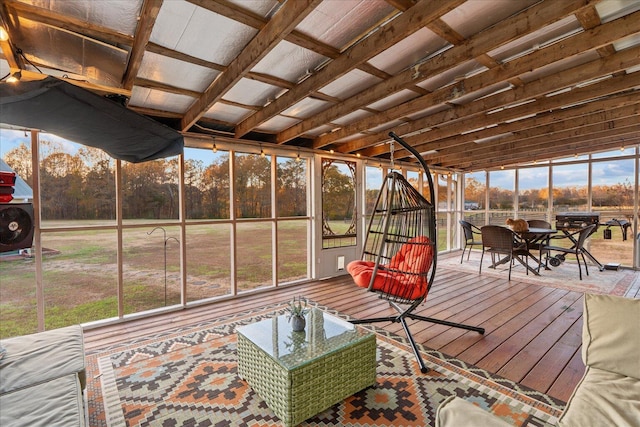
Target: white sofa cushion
{"points": [[56, 403], [611, 333], [457, 412], [603, 398], [36, 358]]}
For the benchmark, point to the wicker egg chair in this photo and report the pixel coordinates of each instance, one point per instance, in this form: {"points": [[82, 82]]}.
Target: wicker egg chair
{"points": [[399, 255]]}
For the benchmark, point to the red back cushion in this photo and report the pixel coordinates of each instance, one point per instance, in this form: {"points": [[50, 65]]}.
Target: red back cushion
{"points": [[415, 256]]}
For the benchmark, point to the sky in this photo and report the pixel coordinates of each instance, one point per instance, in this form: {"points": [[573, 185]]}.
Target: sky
{"points": [[10, 139], [604, 173]]}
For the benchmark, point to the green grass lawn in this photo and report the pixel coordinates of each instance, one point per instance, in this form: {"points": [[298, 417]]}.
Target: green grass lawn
{"points": [[80, 271]]}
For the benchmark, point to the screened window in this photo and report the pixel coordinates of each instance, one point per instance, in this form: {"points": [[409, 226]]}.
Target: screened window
{"points": [[150, 190], [291, 187], [570, 187], [374, 177], [206, 180], [252, 185], [533, 193], [612, 194], [501, 196], [76, 182], [338, 203]]}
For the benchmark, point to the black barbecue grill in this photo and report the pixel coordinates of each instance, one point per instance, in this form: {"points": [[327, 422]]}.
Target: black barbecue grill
{"points": [[577, 220]]}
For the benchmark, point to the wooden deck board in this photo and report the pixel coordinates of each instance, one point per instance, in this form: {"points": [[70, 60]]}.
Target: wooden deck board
{"points": [[568, 378], [522, 331], [497, 302], [533, 333], [525, 352], [554, 361], [493, 325]]}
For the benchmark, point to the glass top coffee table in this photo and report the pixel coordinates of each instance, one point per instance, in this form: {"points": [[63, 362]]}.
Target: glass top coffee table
{"points": [[300, 374]]}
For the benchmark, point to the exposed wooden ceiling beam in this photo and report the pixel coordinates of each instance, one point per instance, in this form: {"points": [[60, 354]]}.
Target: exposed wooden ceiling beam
{"points": [[5, 44], [64, 22], [591, 39], [569, 150], [445, 32], [156, 113], [431, 140], [407, 23], [621, 117], [582, 115], [151, 84], [282, 23], [523, 23], [588, 17], [401, 4], [146, 21], [248, 18], [557, 149], [170, 53], [244, 16], [471, 116]]}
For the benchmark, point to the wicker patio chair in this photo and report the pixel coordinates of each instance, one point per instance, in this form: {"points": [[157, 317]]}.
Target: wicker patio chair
{"points": [[472, 237], [498, 240], [539, 246]]}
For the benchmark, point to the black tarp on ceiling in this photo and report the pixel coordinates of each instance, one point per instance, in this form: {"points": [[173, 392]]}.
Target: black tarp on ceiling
{"points": [[81, 116]]}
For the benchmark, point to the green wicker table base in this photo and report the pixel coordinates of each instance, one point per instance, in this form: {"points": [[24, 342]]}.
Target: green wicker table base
{"points": [[297, 394]]}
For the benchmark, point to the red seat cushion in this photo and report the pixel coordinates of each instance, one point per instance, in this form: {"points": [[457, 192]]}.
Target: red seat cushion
{"points": [[415, 256]]}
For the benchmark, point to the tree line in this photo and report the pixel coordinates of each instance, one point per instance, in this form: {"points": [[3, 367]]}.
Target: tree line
{"points": [[82, 186], [619, 196]]}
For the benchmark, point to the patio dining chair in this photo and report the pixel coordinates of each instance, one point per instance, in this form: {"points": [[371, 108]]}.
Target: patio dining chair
{"points": [[539, 223], [539, 246], [472, 237], [578, 247], [498, 240]]}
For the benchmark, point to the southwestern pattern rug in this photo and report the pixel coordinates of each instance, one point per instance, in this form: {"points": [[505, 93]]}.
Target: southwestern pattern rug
{"points": [[188, 377]]}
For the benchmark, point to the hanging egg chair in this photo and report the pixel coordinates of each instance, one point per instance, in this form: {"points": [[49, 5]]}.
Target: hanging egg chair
{"points": [[399, 254]]}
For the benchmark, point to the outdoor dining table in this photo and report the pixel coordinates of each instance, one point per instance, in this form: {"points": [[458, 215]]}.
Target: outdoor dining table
{"points": [[530, 238]]}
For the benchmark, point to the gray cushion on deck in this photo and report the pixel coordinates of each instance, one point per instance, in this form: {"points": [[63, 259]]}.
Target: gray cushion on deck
{"points": [[37, 358], [57, 404]]}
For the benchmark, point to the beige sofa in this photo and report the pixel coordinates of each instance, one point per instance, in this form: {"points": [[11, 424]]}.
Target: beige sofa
{"points": [[42, 378], [609, 392]]}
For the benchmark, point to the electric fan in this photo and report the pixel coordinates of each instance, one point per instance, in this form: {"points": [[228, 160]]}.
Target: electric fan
{"points": [[16, 226]]}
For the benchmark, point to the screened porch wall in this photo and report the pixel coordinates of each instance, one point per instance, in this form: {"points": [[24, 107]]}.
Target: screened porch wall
{"points": [[165, 236], [606, 183]]}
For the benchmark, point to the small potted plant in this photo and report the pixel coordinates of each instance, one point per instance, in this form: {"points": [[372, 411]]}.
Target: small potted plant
{"points": [[297, 309]]}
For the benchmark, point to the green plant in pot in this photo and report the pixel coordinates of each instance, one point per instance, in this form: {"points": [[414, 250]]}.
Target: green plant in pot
{"points": [[297, 309]]}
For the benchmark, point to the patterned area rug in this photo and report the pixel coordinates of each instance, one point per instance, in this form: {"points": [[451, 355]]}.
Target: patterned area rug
{"points": [[188, 378], [565, 276]]}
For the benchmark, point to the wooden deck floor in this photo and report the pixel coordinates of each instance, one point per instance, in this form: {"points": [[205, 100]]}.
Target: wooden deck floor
{"points": [[533, 333]]}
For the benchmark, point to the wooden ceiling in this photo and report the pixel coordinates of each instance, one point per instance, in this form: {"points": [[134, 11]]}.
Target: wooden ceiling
{"points": [[550, 79]]}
